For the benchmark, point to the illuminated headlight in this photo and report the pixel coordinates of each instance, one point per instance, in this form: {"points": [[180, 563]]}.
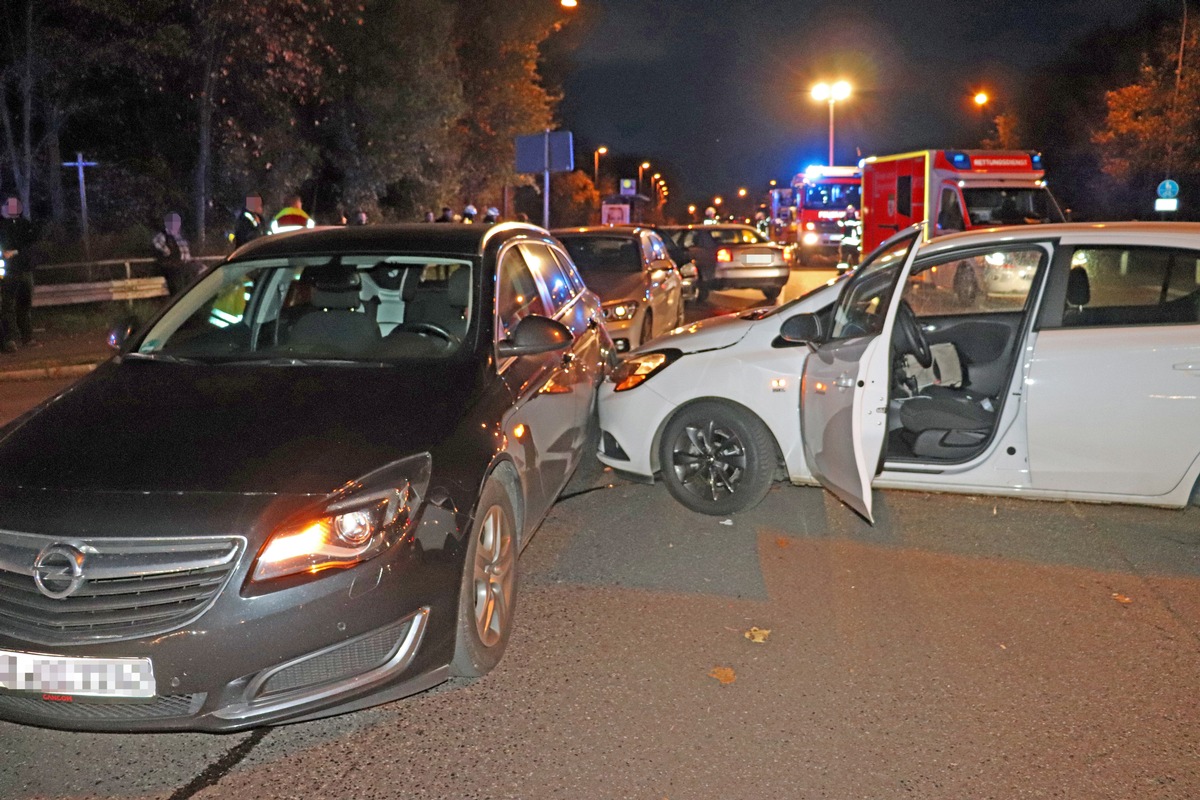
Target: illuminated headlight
{"points": [[635, 371], [811, 238], [624, 310], [3, 267], [357, 524]]}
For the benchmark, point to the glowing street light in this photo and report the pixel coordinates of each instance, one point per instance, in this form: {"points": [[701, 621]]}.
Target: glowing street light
{"points": [[601, 150], [823, 92], [645, 165], [981, 99], [569, 3], [742, 192]]}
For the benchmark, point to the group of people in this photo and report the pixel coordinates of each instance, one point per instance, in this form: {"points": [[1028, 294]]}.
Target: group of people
{"points": [[468, 215]]}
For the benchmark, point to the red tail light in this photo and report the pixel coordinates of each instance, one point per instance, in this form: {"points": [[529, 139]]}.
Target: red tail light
{"points": [[725, 254]]}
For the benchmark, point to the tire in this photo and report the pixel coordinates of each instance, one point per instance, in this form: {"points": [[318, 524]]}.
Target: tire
{"points": [[647, 331], [717, 458], [488, 592], [965, 286], [701, 290], [772, 293]]}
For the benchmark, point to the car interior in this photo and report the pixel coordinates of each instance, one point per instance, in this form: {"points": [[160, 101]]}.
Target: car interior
{"points": [[385, 310], [951, 367]]}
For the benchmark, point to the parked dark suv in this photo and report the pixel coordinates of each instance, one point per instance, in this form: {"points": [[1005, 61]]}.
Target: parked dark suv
{"points": [[731, 256]]}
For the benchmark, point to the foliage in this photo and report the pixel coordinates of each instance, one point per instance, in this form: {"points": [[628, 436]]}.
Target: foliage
{"points": [[574, 199]]}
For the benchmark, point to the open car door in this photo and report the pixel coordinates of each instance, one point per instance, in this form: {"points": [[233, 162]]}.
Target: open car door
{"points": [[844, 393]]}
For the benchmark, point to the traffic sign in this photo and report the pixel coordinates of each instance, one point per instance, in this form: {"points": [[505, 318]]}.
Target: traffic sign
{"points": [[1168, 189]]}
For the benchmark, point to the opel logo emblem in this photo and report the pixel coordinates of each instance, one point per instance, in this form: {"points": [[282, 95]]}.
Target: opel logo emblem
{"points": [[58, 571]]}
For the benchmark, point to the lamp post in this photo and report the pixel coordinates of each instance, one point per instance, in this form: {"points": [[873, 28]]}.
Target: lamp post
{"points": [[601, 150], [825, 92], [981, 100], [645, 165]]}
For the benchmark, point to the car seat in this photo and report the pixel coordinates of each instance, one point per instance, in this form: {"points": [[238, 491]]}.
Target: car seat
{"points": [[332, 322], [443, 305]]}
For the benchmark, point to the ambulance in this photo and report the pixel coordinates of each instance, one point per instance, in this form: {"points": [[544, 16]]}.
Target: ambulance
{"points": [[953, 190], [821, 196]]}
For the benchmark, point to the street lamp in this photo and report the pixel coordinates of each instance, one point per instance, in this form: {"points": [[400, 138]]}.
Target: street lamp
{"points": [[981, 100], [838, 91], [645, 165], [601, 150]]}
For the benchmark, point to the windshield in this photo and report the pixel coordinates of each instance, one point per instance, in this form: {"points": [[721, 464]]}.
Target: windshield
{"points": [[1008, 206], [832, 196], [863, 306], [604, 253], [737, 236], [343, 308]]}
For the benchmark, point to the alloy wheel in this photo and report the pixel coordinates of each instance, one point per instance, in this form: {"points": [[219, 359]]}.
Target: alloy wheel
{"points": [[495, 563], [709, 460]]}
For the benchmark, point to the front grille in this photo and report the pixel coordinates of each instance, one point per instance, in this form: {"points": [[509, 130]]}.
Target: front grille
{"points": [[344, 661], [176, 705], [127, 588], [828, 226]]}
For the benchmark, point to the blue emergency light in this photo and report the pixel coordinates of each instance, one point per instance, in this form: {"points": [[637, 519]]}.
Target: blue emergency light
{"points": [[1036, 160], [959, 160]]}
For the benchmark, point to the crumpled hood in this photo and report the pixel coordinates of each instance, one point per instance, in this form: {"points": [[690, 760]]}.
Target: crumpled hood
{"points": [[161, 427], [708, 334]]}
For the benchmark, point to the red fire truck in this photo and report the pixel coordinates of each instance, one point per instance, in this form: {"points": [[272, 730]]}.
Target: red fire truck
{"points": [[953, 190], [821, 195]]}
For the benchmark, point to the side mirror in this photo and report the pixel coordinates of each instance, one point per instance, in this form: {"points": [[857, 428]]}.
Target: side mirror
{"points": [[802, 329], [120, 331], [534, 335]]}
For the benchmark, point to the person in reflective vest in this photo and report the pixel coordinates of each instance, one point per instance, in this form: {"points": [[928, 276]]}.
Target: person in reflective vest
{"points": [[291, 217]]}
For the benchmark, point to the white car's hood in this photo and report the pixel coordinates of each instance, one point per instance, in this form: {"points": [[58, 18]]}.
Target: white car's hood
{"points": [[713, 333]]}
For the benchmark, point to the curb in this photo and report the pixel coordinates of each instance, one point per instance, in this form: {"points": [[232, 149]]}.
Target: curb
{"points": [[44, 373]]}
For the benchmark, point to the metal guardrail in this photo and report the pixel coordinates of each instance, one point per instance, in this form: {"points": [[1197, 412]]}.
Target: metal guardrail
{"points": [[81, 282]]}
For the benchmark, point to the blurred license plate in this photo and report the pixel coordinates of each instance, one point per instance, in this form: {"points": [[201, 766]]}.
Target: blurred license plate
{"points": [[752, 258], [836, 237], [92, 677]]}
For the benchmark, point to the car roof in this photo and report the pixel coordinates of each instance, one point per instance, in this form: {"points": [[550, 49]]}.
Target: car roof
{"points": [[629, 231], [710, 226], [426, 238], [1145, 233]]}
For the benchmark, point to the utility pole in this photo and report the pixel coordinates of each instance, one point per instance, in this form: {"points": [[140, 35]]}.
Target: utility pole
{"points": [[79, 165]]}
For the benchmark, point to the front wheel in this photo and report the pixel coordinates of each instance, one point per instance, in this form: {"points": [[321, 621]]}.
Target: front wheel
{"points": [[488, 594], [717, 458]]}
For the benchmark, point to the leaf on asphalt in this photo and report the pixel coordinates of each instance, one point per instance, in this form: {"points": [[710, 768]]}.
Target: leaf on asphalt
{"points": [[726, 522], [724, 675], [1120, 598], [783, 541], [757, 635]]}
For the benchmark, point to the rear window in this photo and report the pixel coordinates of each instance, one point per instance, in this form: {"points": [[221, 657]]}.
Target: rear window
{"points": [[737, 236], [604, 253]]}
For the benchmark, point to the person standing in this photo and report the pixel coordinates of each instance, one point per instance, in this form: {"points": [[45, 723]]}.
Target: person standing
{"points": [[359, 217], [172, 255], [249, 224], [292, 217], [447, 215], [17, 236]]}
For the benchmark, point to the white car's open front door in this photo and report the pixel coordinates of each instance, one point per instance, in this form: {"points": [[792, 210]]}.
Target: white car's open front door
{"points": [[844, 394]]}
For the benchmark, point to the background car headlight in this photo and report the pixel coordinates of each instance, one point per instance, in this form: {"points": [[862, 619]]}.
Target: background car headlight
{"points": [[624, 310], [635, 371], [358, 523]]}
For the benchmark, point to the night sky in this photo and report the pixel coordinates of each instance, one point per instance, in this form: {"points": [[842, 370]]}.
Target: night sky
{"points": [[715, 93]]}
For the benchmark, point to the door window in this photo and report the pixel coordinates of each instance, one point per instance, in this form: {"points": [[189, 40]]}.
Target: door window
{"points": [[863, 306], [988, 282], [557, 283], [517, 293], [950, 218], [1119, 286]]}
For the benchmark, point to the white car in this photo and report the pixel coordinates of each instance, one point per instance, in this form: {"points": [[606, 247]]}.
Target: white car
{"points": [[1086, 388]]}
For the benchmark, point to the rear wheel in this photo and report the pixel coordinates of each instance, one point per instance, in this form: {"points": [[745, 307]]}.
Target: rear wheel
{"points": [[965, 286], [717, 458], [488, 594], [772, 293]]}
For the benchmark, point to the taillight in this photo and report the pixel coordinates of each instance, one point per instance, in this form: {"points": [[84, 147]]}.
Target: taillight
{"points": [[725, 254]]}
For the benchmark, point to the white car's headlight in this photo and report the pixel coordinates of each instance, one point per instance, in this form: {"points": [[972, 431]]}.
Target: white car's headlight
{"points": [[357, 524], [622, 310], [635, 371]]}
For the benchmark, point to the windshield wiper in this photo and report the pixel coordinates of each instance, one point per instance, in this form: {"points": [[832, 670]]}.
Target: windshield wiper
{"points": [[282, 361]]}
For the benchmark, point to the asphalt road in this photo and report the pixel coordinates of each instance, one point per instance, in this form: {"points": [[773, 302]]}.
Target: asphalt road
{"points": [[963, 647]]}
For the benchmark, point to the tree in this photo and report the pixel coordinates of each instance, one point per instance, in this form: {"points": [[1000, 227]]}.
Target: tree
{"points": [[1153, 124]]}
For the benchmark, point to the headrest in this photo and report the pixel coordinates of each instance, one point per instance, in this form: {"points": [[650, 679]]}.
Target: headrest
{"points": [[387, 276], [459, 287], [337, 299], [334, 277], [1079, 288]]}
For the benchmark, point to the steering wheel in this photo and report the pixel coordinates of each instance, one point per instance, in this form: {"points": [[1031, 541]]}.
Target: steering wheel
{"points": [[431, 329], [909, 337]]}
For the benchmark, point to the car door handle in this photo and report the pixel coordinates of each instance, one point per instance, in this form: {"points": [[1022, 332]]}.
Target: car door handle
{"points": [[568, 359], [844, 382], [1188, 367]]}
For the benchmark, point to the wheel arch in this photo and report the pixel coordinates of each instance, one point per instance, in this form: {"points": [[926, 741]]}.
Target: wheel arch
{"points": [[505, 472], [740, 408]]}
